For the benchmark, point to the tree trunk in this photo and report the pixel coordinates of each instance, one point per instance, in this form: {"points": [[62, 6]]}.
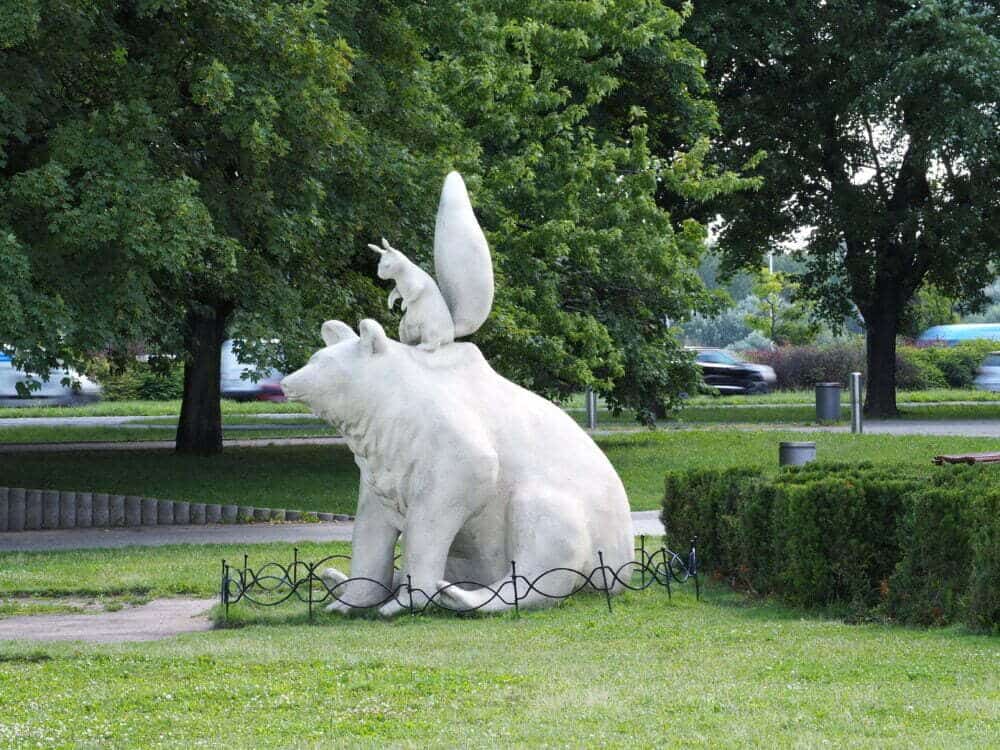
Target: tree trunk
{"points": [[199, 431], [880, 339]]}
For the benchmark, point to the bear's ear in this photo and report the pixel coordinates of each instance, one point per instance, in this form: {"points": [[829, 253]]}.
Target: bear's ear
{"points": [[373, 338], [335, 331]]}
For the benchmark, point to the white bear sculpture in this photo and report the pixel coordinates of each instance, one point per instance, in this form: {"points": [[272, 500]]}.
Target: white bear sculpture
{"points": [[472, 470]]}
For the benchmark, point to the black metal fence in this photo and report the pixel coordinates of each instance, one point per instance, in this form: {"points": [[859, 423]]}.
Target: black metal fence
{"points": [[273, 583]]}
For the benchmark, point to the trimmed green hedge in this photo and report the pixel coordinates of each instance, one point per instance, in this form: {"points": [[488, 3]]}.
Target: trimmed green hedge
{"points": [[864, 540]]}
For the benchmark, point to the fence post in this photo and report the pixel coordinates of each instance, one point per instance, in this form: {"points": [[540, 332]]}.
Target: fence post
{"points": [[642, 558], [309, 580], [224, 592], [666, 571], [604, 575], [409, 591], [513, 579], [693, 568], [295, 566]]}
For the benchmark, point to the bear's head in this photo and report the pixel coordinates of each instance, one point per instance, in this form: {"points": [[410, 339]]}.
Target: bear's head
{"points": [[330, 382]]}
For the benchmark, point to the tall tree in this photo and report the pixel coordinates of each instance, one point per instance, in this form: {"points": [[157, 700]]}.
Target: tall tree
{"points": [[591, 268], [176, 170], [162, 172], [881, 126]]}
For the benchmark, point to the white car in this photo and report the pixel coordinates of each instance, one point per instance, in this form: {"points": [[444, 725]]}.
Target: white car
{"points": [[52, 391], [988, 375], [233, 385]]}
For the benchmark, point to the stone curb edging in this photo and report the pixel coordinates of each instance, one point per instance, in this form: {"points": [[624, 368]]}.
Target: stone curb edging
{"points": [[31, 510]]}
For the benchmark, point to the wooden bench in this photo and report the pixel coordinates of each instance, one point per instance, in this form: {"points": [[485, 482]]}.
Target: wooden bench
{"points": [[968, 458]]}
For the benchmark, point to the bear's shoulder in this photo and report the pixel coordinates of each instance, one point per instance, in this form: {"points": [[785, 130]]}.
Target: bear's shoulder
{"points": [[454, 356]]}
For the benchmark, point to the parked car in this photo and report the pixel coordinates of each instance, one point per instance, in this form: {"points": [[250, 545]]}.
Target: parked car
{"points": [[988, 374], [52, 391], [235, 386], [730, 375]]}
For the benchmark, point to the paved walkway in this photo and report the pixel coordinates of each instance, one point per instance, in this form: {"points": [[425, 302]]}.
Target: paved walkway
{"points": [[644, 522], [158, 445], [160, 618]]}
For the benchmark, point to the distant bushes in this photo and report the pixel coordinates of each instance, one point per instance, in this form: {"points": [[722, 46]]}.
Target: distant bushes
{"points": [[863, 540], [143, 381], [798, 367]]}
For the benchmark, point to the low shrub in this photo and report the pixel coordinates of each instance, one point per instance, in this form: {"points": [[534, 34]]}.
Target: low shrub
{"points": [[863, 540], [143, 381], [799, 367], [983, 605]]}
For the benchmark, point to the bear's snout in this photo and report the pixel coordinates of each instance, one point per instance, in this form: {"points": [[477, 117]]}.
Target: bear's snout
{"points": [[288, 387]]}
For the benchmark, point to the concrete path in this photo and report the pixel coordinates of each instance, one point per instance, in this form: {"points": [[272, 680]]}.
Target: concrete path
{"points": [[954, 428], [155, 536], [644, 522], [130, 421], [161, 618]]}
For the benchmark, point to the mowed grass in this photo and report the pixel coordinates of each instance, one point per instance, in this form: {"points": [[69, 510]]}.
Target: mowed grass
{"points": [[169, 570], [722, 672], [147, 409], [325, 478]]}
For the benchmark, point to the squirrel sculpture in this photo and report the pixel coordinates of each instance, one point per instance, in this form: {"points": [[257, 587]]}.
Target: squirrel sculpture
{"points": [[427, 320], [438, 312]]}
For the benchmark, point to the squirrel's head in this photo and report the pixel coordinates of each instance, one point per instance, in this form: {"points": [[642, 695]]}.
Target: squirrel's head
{"points": [[391, 262]]}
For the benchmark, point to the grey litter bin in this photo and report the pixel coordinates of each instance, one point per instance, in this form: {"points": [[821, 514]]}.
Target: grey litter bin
{"points": [[796, 454], [827, 402]]}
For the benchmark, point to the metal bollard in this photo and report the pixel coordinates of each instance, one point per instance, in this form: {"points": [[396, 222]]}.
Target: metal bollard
{"points": [[591, 402], [856, 423]]}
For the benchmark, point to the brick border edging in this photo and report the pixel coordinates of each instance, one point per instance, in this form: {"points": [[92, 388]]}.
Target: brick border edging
{"points": [[34, 510]]}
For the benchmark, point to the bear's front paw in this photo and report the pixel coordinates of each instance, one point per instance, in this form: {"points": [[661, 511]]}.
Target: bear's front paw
{"points": [[332, 578], [340, 608], [392, 608]]}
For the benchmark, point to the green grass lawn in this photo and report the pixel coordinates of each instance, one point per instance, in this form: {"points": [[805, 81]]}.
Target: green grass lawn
{"points": [[148, 409], [324, 478], [723, 672]]}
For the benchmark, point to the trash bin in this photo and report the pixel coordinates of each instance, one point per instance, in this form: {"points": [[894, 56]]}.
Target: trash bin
{"points": [[828, 402], [796, 454]]}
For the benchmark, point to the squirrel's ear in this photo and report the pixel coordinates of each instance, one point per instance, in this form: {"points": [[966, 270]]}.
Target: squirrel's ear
{"points": [[335, 331], [373, 338], [376, 248]]}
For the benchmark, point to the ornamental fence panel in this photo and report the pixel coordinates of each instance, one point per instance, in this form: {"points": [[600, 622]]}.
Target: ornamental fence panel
{"points": [[274, 583]]}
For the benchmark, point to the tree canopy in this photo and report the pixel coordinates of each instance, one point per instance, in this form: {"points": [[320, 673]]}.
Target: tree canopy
{"points": [[881, 126], [175, 170]]}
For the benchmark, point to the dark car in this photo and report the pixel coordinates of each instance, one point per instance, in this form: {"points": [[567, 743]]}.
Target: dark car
{"points": [[729, 375]]}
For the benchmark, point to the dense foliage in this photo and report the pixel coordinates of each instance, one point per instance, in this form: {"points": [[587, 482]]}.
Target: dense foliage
{"points": [[171, 171], [881, 124], [865, 540]]}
